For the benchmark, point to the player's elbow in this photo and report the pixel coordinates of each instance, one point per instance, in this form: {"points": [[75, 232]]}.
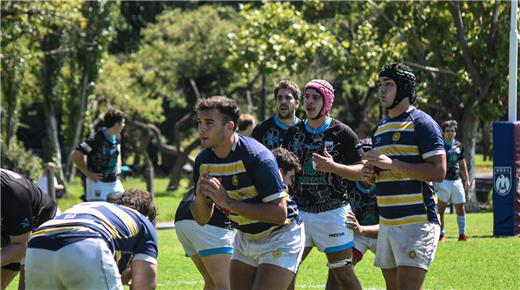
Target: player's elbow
{"points": [[440, 173], [281, 216]]}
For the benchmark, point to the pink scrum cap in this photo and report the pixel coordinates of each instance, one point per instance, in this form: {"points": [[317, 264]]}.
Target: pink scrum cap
{"points": [[326, 91]]}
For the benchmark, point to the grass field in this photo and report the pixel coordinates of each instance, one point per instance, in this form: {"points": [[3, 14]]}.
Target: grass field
{"points": [[482, 263]]}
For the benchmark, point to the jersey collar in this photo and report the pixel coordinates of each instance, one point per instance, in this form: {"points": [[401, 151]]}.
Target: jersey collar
{"points": [[282, 124], [320, 129], [111, 139]]}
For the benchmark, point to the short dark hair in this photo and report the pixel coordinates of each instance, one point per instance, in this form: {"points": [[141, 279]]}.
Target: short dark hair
{"points": [[245, 121], [140, 200], [112, 116], [286, 160], [449, 123], [288, 85], [226, 106]]}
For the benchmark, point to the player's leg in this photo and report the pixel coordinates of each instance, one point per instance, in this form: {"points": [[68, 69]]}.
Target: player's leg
{"points": [[332, 236], [280, 254], [459, 199], [212, 246], [442, 208], [7, 276], [269, 276], [341, 265], [242, 275], [410, 278], [385, 258], [21, 280], [415, 246], [217, 266], [444, 197], [208, 282], [305, 253], [358, 251]]}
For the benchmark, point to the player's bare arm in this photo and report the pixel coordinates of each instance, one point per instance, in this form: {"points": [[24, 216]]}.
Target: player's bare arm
{"points": [[432, 169], [274, 212], [325, 163], [144, 275], [15, 250], [202, 208]]}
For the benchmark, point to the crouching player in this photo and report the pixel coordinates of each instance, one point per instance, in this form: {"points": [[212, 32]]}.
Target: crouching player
{"points": [[89, 245], [241, 177], [209, 246], [24, 207]]}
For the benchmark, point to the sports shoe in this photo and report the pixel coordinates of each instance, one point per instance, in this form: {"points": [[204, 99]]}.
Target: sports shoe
{"points": [[442, 238], [463, 238]]}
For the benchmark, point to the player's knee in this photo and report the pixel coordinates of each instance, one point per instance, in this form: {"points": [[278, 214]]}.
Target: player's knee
{"points": [[341, 263]]}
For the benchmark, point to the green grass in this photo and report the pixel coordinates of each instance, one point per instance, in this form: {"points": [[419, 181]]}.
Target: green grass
{"points": [[482, 263], [165, 201], [481, 165]]}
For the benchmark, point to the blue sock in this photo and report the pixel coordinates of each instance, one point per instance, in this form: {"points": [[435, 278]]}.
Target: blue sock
{"points": [[461, 221], [442, 232]]}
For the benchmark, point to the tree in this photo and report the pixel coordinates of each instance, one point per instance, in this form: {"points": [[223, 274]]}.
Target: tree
{"points": [[180, 59], [276, 39], [458, 50]]}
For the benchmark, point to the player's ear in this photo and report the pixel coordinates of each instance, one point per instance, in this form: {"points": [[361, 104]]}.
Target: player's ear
{"points": [[230, 125]]}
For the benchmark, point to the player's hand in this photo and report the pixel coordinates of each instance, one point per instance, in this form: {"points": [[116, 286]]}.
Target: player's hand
{"points": [[214, 189], [467, 185], [323, 163], [352, 223], [368, 173], [94, 176], [375, 158]]}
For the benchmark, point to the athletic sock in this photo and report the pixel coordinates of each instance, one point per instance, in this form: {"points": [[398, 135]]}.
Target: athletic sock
{"points": [[461, 221]]}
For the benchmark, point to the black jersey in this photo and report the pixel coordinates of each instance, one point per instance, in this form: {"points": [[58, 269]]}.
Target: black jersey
{"points": [[454, 154], [316, 191], [183, 212], [102, 153], [24, 205], [271, 132], [363, 202]]}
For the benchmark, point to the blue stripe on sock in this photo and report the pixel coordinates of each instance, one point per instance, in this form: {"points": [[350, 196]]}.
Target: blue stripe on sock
{"points": [[339, 248], [216, 251], [461, 222]]}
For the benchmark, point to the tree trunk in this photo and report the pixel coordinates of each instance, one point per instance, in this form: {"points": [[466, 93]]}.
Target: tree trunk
{"points": [[50, 70], [78, 126], [469, 135], [175, 173], [148, 172]]}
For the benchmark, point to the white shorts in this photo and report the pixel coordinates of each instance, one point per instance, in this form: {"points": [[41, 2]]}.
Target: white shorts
{"points": [[451, 191], [101, 191], [327, 230], [86, 264], [410, 245], [283, 248], [203, 240], [363, 243]]}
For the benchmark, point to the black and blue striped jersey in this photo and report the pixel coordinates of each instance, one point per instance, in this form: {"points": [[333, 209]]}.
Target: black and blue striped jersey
{"points": [[411, 137], [249, 174]]}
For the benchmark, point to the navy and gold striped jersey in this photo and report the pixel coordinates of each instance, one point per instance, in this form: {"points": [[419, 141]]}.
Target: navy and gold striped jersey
{"points": [[271, 132], [249, 174], [411, 137], [127, 232]]}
